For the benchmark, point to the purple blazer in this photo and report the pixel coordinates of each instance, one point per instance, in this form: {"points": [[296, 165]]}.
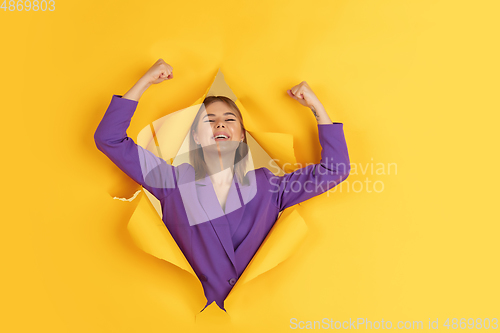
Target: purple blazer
{"points": [[219, 244]]}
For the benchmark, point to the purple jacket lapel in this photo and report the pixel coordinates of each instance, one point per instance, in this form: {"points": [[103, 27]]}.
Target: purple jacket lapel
{"points": [[237, 198], [214, 214]]}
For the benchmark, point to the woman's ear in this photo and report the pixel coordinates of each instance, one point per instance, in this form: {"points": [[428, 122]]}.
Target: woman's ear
{"points": [[195, 137]]}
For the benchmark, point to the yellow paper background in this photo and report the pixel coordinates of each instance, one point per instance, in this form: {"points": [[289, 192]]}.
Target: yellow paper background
{"points": [[414, 82]]}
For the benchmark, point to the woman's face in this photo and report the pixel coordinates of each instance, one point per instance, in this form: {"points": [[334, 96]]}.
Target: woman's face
{"points": [[218, 125]]}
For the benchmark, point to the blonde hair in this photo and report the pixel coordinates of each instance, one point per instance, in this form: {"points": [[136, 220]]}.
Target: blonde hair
{"points": [[196, 152]]}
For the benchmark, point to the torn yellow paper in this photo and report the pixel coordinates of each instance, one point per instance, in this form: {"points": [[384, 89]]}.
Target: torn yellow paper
{"points": [[129, 199], [150, 234], [285, 236], [278, 145], [168, 138], [165, 141], [213, 315]]}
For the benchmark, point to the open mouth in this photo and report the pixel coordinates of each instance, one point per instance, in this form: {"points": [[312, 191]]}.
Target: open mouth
{"points": [[221, 137]]}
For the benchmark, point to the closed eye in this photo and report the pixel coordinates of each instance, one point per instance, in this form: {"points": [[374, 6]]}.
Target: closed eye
{"points": [[211, 121]]}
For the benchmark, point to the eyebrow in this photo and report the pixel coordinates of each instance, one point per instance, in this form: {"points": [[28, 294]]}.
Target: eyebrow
{"points": [[211, 114]]}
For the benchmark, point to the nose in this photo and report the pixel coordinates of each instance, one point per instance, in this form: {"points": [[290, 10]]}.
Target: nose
{"points": [[219, 124]]}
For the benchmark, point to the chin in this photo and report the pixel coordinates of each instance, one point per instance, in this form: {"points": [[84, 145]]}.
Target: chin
{"points": [[223, 146]]}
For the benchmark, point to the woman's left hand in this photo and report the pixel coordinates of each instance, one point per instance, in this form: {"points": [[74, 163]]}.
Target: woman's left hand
{"points": [[303, 94]]}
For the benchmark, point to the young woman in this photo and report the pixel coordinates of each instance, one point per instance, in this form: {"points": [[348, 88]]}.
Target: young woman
{"points": [[218, 214]]}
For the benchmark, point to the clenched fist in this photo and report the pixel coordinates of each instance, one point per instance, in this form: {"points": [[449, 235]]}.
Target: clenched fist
{"points": [[159, 72], [303, 94]]}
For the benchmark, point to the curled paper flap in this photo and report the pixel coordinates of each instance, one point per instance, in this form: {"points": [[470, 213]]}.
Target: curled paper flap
{"points": [[129, 199], [280, 146], [277, 145], [284, 238], [220, 87], [150, 234], [213, 315], [286, 235]]}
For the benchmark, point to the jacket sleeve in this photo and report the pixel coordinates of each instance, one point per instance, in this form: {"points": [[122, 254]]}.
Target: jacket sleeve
{"points": [[152, 172], [312, 180]]}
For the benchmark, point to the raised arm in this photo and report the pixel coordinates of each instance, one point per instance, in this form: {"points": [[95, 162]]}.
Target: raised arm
{"points": [[111, 138], [159, 72], [312, 180], [303, 94]]}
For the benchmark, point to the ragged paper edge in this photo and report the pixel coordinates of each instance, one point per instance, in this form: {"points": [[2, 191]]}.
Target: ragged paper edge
{"points": [[130, 199], [151, 235], [282, 241], [212, 314]]}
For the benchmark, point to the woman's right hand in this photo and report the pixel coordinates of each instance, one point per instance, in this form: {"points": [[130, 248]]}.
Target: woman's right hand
{"points": [[159, 72]]}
